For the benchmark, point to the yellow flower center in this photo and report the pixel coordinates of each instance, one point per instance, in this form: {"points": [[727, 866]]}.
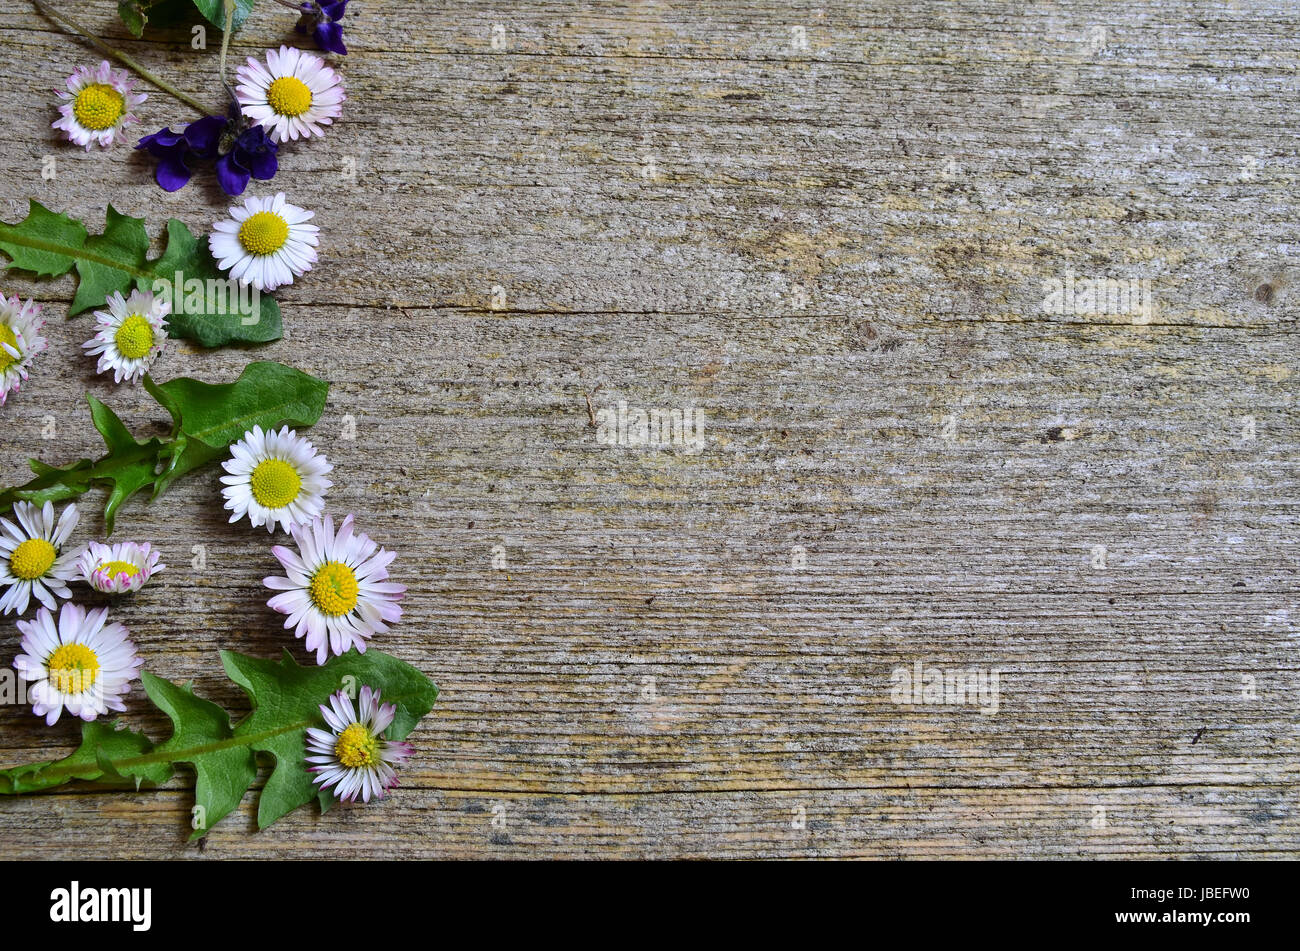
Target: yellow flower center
{"points": [[263, 233], [356, 748], [289, 96], [73, 668], [98, 106], [115, 568], [8, 336], [333, 589], [134, 338], [275, 483], [32, 559]]}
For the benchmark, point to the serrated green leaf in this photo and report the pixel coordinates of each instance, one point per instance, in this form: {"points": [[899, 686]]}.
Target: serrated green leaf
{"points": [[206, 419], [41, 242], [101, 744], [215, 318], [205, 304], [202, 737], [52, 484], [137, 462], [212, 9], [287, 693], [125, 244], [286, 699], [127, 467], [132, 13]]}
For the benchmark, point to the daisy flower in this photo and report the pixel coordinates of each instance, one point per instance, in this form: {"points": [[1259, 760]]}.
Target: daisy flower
{"points": [[118, 569], [81, 664], [292, 96], [129, 335], [336, 592], [30, 558], [275, 477], [352, 755], [20, 341], [265, 243], [97, 105]]}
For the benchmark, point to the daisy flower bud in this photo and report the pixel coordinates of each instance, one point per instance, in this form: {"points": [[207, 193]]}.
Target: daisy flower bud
{"points": [[122, 568]]}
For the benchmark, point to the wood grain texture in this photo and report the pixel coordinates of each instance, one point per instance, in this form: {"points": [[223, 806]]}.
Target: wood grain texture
{"points": [[837, 254]]}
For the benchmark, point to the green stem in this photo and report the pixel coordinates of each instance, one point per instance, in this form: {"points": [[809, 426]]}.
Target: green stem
{"points": [[12, 235], [228, 8], [72, 26], [181, 756]]}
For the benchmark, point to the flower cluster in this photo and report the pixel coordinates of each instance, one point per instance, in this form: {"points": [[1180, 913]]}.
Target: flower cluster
{"points": [[264, 243], [293, 95], [335, 589], [81, 663], [335, 592]]}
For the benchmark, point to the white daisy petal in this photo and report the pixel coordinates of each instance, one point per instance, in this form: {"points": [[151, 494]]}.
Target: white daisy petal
{"points": [[97, 108], [336, 602], [32, 564], [129, 335], [20, 341], [352, 757], [86, 670]]}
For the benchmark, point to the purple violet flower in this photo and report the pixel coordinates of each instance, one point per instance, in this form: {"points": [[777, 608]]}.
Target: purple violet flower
{"points": [[178, 152], [325, 23], [251, 154], [241, 152]]}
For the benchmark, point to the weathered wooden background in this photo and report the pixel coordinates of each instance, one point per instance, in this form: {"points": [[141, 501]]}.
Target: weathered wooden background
{"points": [[827, 227]]}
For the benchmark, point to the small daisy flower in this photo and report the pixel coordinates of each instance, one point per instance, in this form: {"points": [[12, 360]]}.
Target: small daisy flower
{"points": [[31, 560], [121, 568], [275, 477], [337, 591], [129, 335], [266, 243], [20, 341], [81, 665], [352, 756], [292, 96], [97, 105]]}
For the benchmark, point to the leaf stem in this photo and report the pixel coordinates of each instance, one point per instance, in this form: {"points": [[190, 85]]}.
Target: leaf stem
{"points": [[177, 756], [11, 235], [228, 8], [63, 20]]}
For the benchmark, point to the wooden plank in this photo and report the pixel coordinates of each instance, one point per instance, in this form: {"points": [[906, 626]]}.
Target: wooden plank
{"points": [[837, 255]]}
